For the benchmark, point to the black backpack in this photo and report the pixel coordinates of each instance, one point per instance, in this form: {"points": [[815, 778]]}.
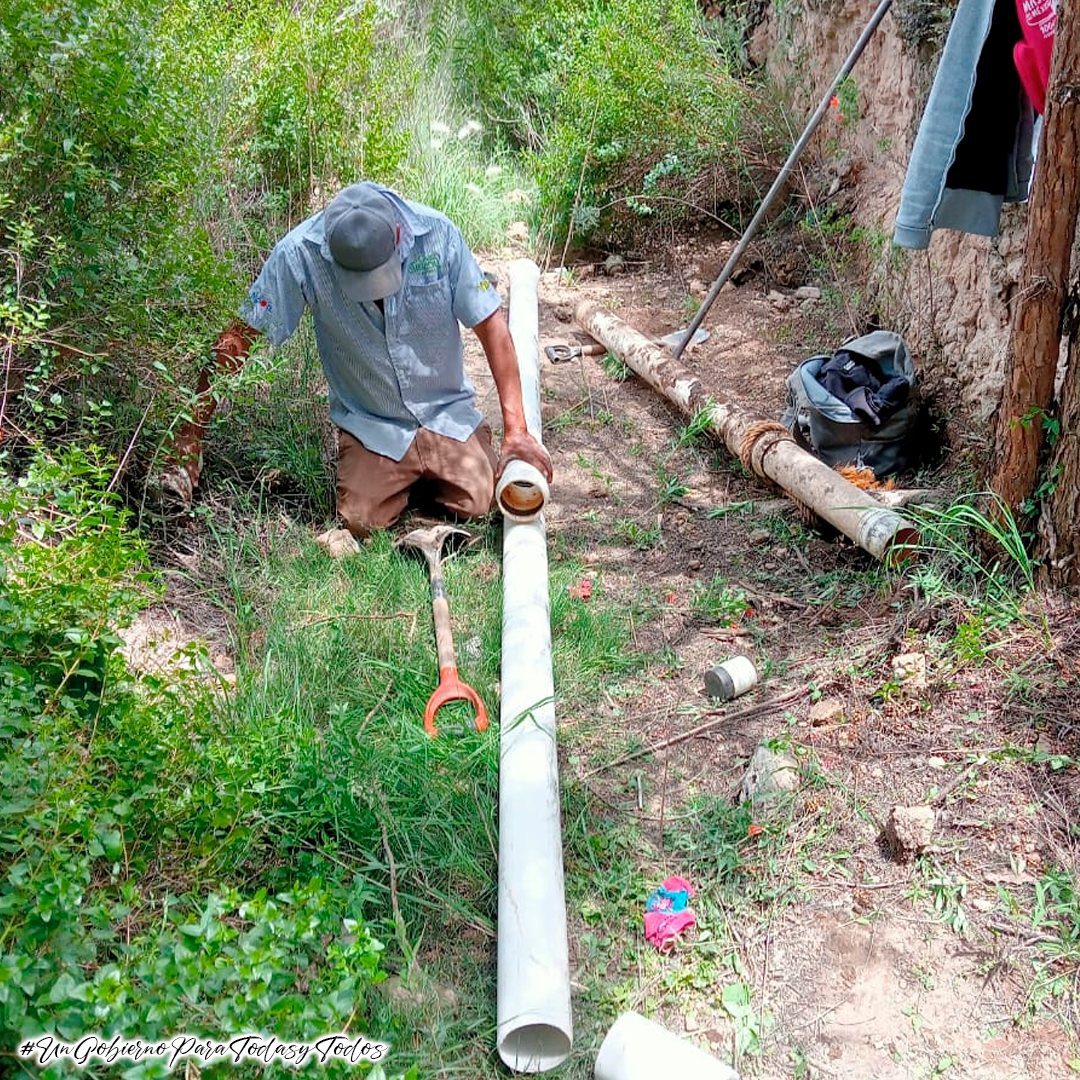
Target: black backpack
{"points": [[874, 422]]}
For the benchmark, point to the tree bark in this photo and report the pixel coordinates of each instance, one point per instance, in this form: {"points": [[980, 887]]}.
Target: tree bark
{"points": [[1035, 344], [1059, 529]]}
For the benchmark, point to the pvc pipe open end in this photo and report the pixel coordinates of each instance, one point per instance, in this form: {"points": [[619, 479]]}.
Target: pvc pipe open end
{"points": [[521, 492], [905, 546], [534, 1048]]}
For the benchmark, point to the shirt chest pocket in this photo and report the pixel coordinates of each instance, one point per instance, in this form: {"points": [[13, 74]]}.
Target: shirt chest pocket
{"points": [[427, 314]]}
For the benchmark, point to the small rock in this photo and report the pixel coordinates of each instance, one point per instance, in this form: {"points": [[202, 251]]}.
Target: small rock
{"points": [[936, 762], [614, 264], [402, 994], [910, 670], [909, 830], [399, 993], [223, 662], [779, 300], [517, 232], [826, 711], [807, 292], [1008, 877], [337, 543], [696, 287], [769, 773], [759, 536]]}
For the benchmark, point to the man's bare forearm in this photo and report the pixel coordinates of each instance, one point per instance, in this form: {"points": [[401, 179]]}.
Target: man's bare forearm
{"points": [[517, 442], [502, 359], [230, 351]]}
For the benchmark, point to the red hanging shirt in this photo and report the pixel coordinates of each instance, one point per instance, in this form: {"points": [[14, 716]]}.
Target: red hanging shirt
{"points": [[1038, 21]]}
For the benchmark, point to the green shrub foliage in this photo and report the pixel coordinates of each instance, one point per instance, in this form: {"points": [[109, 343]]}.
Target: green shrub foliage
{"points": [[150, 153], [118, 795], [626, 110]]}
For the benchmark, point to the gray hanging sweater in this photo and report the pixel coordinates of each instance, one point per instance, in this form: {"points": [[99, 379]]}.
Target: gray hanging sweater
{"points": [[976, 143]]}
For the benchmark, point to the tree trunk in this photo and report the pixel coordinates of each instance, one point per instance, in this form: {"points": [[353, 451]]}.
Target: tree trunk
{"points": [[1036, 335], [1059, 529]]}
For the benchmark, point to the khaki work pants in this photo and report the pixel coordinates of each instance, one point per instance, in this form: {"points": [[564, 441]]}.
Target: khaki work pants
{"points": [[373, 490]]}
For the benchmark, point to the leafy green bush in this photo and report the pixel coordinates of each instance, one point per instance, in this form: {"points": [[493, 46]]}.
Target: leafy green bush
{"points": [[150, 153], [627, 110], [119, 795]]}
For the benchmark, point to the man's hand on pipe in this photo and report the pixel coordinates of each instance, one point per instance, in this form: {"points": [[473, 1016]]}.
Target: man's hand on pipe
{"points": [[521, 446]]}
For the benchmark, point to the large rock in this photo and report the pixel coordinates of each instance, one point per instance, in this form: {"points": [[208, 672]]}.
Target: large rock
{"points": [[769, 774], [909, 830]]}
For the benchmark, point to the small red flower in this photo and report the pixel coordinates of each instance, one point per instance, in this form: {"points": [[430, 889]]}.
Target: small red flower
{"points": [[582, 590]]}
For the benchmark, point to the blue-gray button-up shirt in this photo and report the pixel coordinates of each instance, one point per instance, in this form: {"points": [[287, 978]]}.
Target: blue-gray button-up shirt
{"points": [[391, 372]]}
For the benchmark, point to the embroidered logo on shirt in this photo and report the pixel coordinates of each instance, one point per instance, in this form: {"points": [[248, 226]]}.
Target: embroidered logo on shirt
{"points": [[426, 264], [261, 303], [483, 284]]}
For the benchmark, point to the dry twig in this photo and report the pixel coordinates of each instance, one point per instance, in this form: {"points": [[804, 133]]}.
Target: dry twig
{"points": [[720, 717]]}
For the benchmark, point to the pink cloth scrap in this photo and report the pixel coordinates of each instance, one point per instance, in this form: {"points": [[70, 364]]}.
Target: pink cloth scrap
{"points": [[668, 914]]}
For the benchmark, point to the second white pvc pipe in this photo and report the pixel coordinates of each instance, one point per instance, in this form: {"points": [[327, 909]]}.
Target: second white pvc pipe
{"points": [[640, 1049], [534, 1031]]}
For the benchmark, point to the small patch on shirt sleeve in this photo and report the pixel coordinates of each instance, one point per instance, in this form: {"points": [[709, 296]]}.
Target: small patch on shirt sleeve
{"points": [[260, 303]]}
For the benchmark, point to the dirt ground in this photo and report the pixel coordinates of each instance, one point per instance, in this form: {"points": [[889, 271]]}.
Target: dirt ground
{"points": [[872, 968], [861, 966]]}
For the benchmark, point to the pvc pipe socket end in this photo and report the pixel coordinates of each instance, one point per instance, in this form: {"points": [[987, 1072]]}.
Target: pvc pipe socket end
{"points": [[731, 678], [639, 1049], [887, 535], [521, 492]]}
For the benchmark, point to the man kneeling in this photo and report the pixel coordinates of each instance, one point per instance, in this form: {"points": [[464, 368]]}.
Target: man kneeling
{"points": [[387, 282]]}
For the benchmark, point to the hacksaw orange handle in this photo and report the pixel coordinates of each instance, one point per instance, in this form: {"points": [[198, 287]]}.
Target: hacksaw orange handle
{"points": [[451, 688]]}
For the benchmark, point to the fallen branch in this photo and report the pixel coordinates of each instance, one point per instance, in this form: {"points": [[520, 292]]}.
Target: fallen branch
{"points": [[721, 716]]}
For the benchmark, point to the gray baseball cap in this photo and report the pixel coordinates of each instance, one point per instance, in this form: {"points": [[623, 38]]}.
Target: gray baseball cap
{"points": [[362, 234]]}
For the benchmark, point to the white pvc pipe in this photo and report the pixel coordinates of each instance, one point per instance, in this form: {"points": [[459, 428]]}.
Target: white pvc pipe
{"points": [[522, 490], [638, 1049], [534, 1031]]}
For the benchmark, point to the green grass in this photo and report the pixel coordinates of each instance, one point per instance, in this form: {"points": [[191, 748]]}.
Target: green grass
{"points": [[273, 435], [452, 166], [180, 830], [717, 602], [976, 555], [333, 713]]}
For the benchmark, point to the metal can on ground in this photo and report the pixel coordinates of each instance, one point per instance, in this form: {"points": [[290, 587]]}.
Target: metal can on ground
{"points": [[731, 678]]}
